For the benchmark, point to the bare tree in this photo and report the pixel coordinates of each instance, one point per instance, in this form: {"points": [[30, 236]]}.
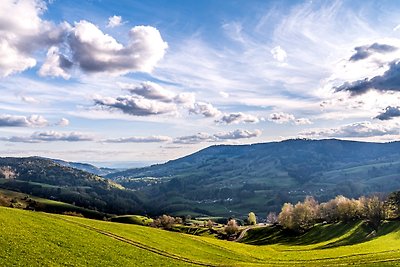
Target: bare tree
{"points": [[272, 218]]}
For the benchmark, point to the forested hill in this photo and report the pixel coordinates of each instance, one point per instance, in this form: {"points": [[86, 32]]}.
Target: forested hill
{"points": [[46, 178], [262, 176]]}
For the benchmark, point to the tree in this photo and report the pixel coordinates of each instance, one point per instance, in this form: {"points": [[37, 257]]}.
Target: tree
{"points": [[374, 210], [285, 217], [231, 227], [166, 221], [252, 219], [210, 224], [348, 209], [272, 218], [392, 205]]}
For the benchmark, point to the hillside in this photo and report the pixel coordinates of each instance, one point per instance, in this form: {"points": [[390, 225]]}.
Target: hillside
{"points": [[48, 179], [86, 167], [75, 241], [228, 179]]}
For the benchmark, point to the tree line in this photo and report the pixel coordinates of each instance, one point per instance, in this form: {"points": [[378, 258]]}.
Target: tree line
{"points": [[304, 215]]}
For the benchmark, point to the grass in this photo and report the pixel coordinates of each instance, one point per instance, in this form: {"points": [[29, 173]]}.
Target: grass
{"points": [[48, 205], [132, 219], [40, 239]]}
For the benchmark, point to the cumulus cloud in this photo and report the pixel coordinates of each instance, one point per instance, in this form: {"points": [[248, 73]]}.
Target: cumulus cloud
{"points": [[205, 109], [22, 31], [56, 64], [137, 106], [218, 137], [63, 122], [114, 21], [237, 134], [281, 117], [150, 90], [82, 45], [195, 139], [358, 129], [279, 54], [238, 117], [22, 121], [140, 139], [149, 98], [95, 51], [363, 52], [388, 81], [389, 113], [49, 136]]}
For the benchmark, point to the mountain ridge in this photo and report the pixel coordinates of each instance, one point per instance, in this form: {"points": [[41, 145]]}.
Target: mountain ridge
{"points": [[235, 178]]}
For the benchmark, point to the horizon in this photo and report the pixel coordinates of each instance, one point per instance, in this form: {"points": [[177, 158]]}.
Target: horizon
{"points": [[99, 81]]}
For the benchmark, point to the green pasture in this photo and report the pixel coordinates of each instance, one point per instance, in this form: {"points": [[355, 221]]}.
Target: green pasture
{"points": [[41, 239]]}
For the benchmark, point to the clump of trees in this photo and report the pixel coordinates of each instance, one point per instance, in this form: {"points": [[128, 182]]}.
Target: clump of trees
{"points": [[231, 227], [304, 215], [166, 221]]}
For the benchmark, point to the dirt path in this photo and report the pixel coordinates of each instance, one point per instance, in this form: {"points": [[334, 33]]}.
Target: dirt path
{"points": [[137, 244]]}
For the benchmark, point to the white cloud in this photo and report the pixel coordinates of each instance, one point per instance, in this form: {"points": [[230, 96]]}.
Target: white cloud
{"points": [[56, 64], [12, 60], [114, 21], [224, 94], [84, 45], [49, 136], [150, 90], [205, 109], [302, 121], [29, 99], [96, 52], [218, 137], [237, 134], [134, 105], [238, 117], [63, 122], [22, 31], [354, 130], [22, 121], [281, 118], [140, 139], [279, 54]]}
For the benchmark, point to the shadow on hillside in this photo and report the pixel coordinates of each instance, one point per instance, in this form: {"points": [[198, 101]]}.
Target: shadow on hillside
{"points": [[364, 233], [359, 232]]}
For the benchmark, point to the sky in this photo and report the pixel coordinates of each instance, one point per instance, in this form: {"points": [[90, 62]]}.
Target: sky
{"points": [[123, 82]]}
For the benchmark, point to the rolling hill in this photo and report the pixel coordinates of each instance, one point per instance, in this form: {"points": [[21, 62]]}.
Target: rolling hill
{"points": [[235, 179], [86, 167], [40, 239], [45, 178]]}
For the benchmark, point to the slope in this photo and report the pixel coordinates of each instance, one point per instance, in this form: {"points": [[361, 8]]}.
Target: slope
{"points": [[45, 178], [38, 239]]}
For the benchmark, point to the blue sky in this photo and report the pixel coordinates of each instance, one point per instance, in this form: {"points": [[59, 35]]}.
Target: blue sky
{"points": [[150, 81]]}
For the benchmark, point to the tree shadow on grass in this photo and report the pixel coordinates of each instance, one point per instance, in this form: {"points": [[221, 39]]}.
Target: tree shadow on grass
{"points": [[363, 233], [360, 232]]}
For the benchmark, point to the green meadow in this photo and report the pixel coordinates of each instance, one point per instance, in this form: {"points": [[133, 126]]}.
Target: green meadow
{"points": [[40, 239]]}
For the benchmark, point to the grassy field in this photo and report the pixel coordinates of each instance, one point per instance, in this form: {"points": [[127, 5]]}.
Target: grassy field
{"points": [[40, 239]]}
